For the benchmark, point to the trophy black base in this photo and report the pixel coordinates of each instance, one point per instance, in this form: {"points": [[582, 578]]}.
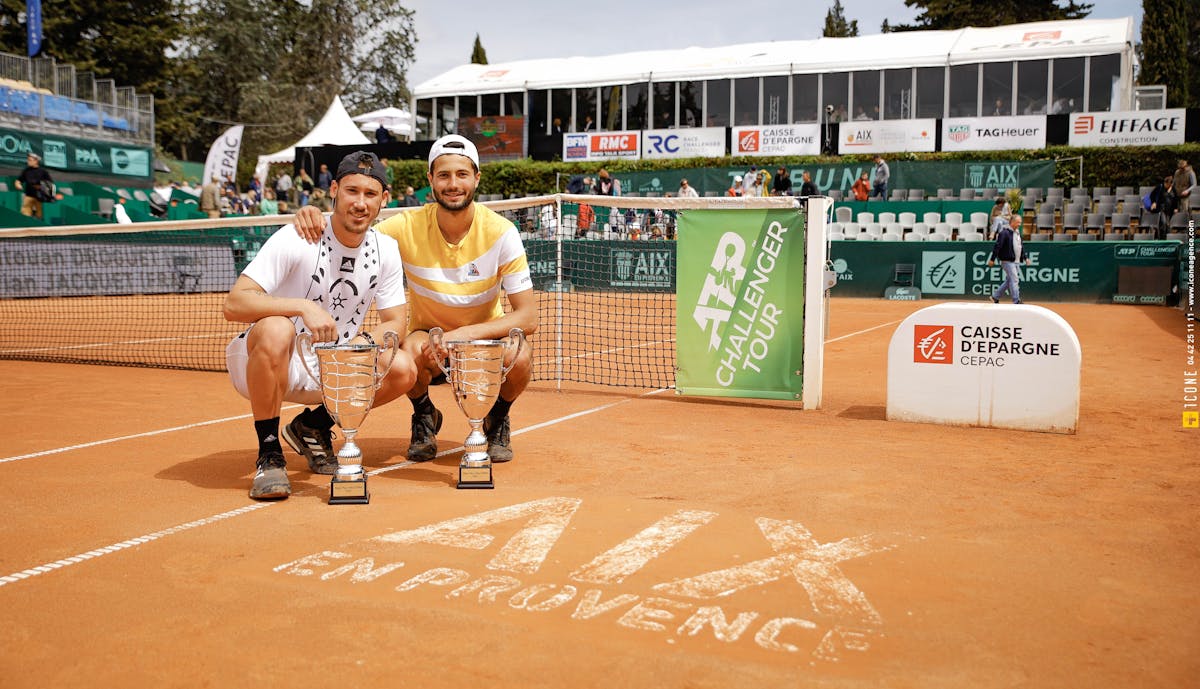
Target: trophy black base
{"points": [[475, 476], [349, 491]]}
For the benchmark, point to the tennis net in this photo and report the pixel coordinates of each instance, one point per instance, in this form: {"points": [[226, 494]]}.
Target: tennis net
{"points": [[151, 294]]}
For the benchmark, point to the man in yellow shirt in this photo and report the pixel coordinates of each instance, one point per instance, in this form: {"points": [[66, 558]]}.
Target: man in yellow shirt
{"points": [[458, 256]]}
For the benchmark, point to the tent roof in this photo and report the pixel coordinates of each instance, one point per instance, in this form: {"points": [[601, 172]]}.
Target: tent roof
{"points": [[1038, 40], [335, 129]]}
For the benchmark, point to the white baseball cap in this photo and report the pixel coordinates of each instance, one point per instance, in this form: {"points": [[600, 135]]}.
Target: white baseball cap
{"points": [[453, 144]]}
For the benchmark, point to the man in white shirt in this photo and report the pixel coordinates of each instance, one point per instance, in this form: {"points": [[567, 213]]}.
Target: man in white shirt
{"points": [[324, 289], [686, 191]]}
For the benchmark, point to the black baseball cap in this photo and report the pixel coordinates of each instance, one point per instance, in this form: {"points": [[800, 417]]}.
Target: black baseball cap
{"points": [[363, 163]]}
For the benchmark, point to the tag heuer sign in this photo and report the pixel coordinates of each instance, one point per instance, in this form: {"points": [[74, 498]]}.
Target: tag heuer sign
{"points": [[959, 133]]}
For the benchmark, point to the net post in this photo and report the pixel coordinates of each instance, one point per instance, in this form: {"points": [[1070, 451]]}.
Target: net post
{"points": [[816, 209], [558, 292]]}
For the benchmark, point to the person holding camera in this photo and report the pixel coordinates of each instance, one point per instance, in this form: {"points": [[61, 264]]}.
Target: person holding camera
{"points": [[35, 181]]}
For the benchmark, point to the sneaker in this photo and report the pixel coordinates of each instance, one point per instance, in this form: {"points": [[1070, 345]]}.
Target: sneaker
{"points": [[499, 446], [313, 444], [425, 427], [995, 300], [271, 481]]}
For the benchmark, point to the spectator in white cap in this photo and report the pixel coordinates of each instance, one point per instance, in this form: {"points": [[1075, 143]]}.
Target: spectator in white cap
{"points": [[458, 257], [735, 189]]}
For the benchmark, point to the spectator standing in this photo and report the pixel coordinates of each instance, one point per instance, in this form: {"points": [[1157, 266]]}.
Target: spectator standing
{"points": [[269, 205], [1184, 182], [304, 187], [862, 187], [604, 184], [749, 180], [35, 181], [210, 198], [1011, 253], [881, 176], [383, 136], [1162, 201], [782, 186], [283, 187], [686, 191], [410, 198], [764, 183], [807, 188], [324, 178]]}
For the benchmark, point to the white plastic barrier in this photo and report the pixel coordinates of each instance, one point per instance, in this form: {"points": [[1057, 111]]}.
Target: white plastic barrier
{"points": [[995, 365]]}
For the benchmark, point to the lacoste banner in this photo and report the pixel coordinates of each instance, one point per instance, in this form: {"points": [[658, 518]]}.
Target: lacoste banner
{"points": [[740, 303]]}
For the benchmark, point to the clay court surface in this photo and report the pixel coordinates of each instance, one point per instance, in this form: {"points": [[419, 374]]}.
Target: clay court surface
{"points": [[639, 539]]}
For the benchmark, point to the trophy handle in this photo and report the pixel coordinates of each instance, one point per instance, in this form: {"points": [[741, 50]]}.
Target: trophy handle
{"points": [[516, 337], [305, 346], [391, 340], [435, 339]]}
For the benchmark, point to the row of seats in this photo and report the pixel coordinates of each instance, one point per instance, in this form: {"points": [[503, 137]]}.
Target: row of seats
{"points": [[938, 232], [57, 108], [845, 214], [1106, 236]]}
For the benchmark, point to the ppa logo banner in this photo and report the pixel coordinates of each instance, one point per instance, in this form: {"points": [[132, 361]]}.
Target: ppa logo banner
{"points": [[740, 305]]}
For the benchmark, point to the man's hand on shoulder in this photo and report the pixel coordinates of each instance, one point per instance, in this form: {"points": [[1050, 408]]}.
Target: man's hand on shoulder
{"points": [[309, 223]]}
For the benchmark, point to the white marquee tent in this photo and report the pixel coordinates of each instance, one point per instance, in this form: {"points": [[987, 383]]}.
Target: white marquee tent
{"points": [[335, 129]]}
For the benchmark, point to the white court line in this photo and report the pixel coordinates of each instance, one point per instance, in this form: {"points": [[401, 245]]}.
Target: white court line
{"points": [[205, 521], [97, 345], [860, 332]]}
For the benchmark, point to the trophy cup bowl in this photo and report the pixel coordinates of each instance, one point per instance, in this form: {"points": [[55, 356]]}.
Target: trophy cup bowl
{"points": [[475, 372], [349, 375]]}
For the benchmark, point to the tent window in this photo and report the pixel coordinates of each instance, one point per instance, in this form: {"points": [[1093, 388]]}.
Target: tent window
{"points": [[716, 102], [637, 102], [537, 112], [489, 105], [775, 100], [691, 102], [1031, 87], [585, 104], [997, 88], [804, 98], [835, 91], [866, 96], [897, 93], [560, 110], [931, 91], [1104, 80], [664, 105], [424, 118], [514, 104], [745, 101], [1068, 85], [610, 104], [964, 91], [447, 117]]}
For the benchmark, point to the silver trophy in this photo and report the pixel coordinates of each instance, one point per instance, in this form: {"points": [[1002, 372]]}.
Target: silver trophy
{"points": [[349, 375], [475, 372]]}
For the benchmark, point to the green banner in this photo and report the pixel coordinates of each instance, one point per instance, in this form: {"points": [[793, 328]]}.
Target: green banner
{"points": [[905, 174], [76, 155], [1058, 271], [740, 303]]}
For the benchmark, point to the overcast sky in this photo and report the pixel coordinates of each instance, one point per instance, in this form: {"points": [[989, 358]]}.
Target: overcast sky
{"points": [[522, 30]]}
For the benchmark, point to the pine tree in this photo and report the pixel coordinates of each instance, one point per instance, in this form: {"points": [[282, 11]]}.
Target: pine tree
{"points": [[836, 25], [958, 14], [1165, 48], [478, 54]]}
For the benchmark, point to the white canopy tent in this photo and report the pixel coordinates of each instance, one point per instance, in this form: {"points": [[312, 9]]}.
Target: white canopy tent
{"points": [[335, 129], [398, 122], [1057, 39]]}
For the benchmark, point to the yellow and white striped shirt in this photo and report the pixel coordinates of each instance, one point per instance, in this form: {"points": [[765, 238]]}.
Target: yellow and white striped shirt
{"points": [[456, 285]]}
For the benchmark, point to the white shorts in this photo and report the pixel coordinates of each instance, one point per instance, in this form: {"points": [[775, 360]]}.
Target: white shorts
{"points": [[301, 388]]}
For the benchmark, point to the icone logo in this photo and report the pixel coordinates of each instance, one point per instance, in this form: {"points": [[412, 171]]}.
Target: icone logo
{"points": [[663, 144], [1084, 124], [720, 284], [614, 142], [932, 344], [748, 142]]}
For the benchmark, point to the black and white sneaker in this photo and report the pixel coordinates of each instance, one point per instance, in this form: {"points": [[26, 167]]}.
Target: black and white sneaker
{"points": [[499, 445], [313, 444], [271, 481], [423, 445]]}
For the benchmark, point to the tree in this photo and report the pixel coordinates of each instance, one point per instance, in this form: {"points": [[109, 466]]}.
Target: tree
{"points": [[836, 25], [1165, 48], [478, 54], [958, 14]]}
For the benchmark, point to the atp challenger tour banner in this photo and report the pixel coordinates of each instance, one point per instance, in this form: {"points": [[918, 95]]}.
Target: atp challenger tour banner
{"points": [[740, 303]]}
